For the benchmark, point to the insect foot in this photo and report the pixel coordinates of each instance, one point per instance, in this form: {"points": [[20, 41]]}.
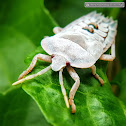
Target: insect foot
{"points": [[93, 68], [73, 106], [100, 79]]}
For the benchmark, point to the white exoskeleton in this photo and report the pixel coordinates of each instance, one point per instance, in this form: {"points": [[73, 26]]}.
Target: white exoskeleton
{"points": [[80, 44]]}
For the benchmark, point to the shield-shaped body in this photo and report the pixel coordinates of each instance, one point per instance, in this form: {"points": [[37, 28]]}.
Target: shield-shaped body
{"points": [[78, 45]]}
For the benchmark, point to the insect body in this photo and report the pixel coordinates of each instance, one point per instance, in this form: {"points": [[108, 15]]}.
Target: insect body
{"points": [[80, 44]]}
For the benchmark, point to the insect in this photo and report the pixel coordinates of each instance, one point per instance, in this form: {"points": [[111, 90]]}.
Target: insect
{"points": [[80, 44]]}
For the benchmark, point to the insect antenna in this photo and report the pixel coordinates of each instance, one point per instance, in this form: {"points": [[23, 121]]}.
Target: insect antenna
{"points": [[33, 75]]}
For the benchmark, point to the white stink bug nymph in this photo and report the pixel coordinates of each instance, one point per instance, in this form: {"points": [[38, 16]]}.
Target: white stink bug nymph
{"points": [[80, 44]]}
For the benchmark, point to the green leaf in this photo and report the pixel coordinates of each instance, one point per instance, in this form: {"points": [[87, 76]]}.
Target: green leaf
{"points": [[22, 26], [96, 105], [18, 109], [65, 11], [13, 49], [28, 17], [120, 81], [121, 38]]}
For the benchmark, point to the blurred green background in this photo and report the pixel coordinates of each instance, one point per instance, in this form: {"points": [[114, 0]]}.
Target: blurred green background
{"points": [[23, 23]]}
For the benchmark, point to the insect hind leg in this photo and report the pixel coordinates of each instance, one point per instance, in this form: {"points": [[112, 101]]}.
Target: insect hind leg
{"points": [[109, 57], [96, 75], [74, 88]]}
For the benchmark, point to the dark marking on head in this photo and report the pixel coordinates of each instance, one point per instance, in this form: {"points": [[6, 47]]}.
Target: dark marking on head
{"points": [[52, 55], [67, 63]]}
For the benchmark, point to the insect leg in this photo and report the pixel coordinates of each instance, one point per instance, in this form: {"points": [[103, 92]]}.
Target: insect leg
{"points": [[96, 75], [108, 57], [62, 88], [32, 76], [74, 88], [33, 63], [57, 30]]}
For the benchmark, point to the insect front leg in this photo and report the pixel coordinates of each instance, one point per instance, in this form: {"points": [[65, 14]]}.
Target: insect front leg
{"points": [[63, 88], [74, 88], [57, 30], [33, 63], [96, 75], [32, 76], [107, 57]]}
